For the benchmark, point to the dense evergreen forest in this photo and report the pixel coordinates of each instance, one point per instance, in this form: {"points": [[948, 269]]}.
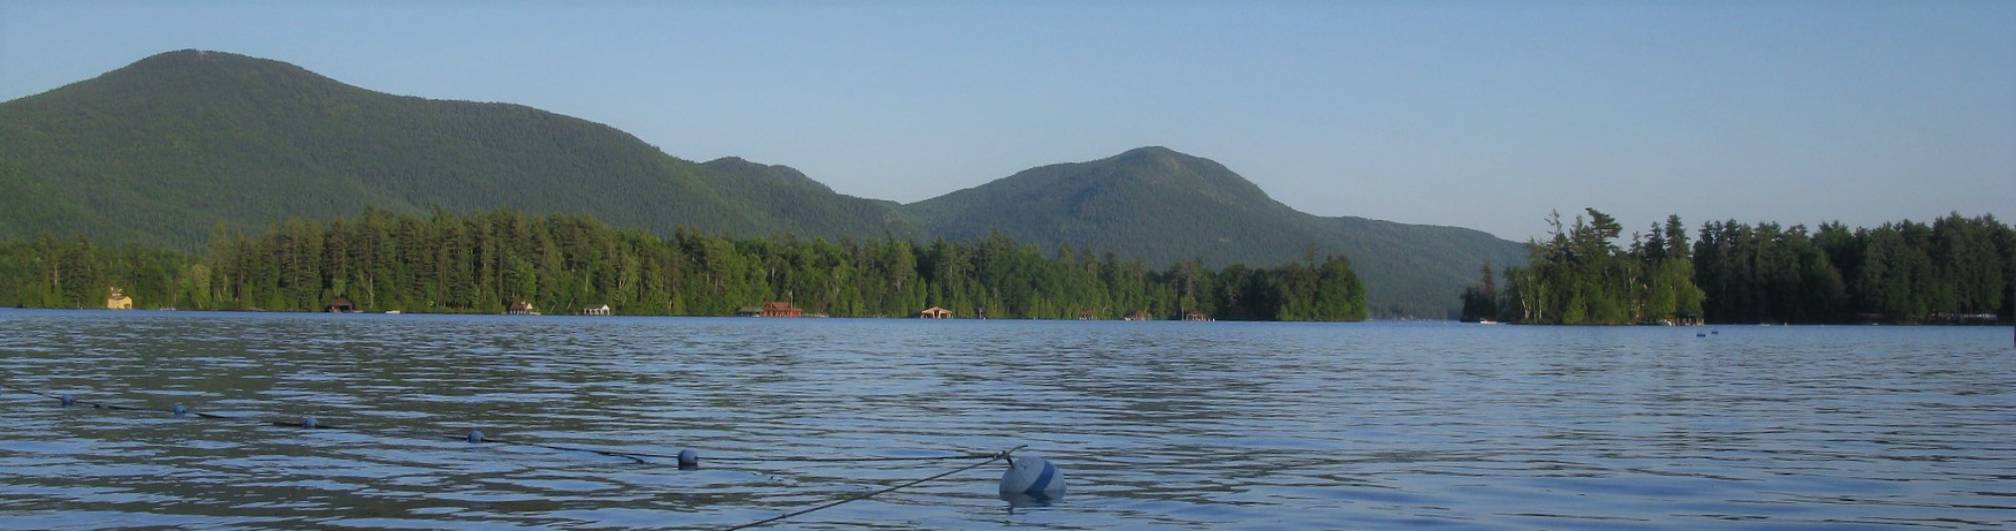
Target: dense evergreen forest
{"points": [[1956, 269], [562, 264]]}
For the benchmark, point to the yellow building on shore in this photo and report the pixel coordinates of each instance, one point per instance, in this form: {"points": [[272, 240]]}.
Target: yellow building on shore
{"points": [[118, 300]]}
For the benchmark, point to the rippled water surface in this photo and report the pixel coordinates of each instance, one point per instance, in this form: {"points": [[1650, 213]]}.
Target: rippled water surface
{"points": [[1247, 425]]}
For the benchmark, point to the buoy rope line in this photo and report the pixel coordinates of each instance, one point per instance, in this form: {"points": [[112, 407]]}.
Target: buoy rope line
{"points": [[1005, 454], [969, 455], [685, 459]]}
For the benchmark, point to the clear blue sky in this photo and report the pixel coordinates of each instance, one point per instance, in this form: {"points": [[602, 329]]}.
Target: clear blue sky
{"points": [[1479, 114]]}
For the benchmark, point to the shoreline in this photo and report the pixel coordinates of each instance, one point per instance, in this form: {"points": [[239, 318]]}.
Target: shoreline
{"points": [[873, 317]]}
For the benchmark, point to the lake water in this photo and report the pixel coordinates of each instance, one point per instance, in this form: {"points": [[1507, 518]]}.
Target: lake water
{"points": [[1166, 424]]}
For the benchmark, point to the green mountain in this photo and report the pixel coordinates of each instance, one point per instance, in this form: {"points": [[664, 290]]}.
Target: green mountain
{"points": [[810, 208], [1165, 206], [163, 150]]}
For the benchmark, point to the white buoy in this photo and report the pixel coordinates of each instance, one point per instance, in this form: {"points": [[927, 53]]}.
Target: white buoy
{"points": [[689, 459], [1032, 476]]}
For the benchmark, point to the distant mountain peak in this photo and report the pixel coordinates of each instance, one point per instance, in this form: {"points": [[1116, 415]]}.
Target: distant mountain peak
{"points": [[187, 54], [1164, 206], [1160, 156], [208, 58], [179, 142], [1159, 160], [1152, 151], [209, 72]]}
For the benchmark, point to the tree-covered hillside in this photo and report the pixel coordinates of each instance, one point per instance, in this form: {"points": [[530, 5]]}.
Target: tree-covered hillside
{"points": [[161, 151], [784, 193], [1165, 206]]}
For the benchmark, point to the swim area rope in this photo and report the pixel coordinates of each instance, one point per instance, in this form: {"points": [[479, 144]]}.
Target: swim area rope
{"points": [[686, 459]]}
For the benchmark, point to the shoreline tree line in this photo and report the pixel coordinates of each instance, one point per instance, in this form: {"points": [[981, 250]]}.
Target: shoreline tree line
{"points": [[481, 263], [1955, 269]]}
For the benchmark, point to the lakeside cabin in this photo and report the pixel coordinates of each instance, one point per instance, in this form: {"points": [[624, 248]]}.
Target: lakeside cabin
{"points": [[117, 300], [342, 304], [521, 308], [934, 312], [1136, 315], [1087, 315], [1194, 315], [599, 311], [771, 309]]}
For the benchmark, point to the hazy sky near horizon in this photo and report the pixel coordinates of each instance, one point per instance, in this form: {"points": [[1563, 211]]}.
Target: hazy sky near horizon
{"points": [[1479, 114]]}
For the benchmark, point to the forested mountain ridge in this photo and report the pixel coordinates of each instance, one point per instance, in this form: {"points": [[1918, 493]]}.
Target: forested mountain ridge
{"points": [[161, 151], [164, 151], [1164, 206], [785, 193]]}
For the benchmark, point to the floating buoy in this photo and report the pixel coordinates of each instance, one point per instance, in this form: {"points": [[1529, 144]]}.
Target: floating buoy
{"points": [[178, 410], [689, 459], [68, 400], [1032, 476], [475, 437], [1698, 334], [308, 423]]}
